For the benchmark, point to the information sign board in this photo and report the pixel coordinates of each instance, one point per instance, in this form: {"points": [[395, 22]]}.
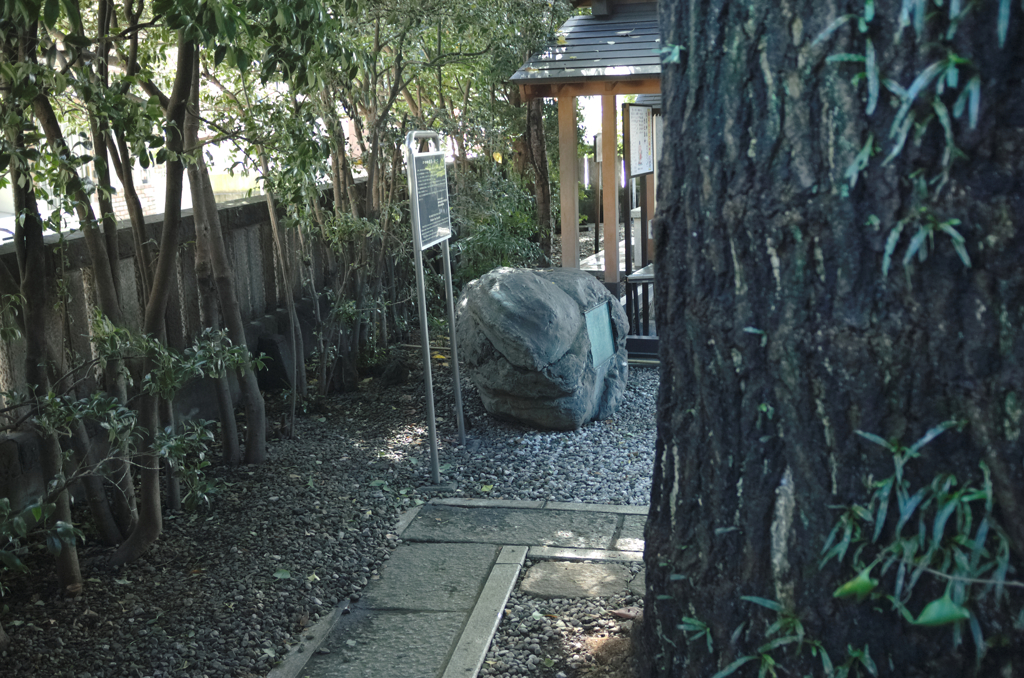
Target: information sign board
{"points": [[432, 217], [641, 140]]}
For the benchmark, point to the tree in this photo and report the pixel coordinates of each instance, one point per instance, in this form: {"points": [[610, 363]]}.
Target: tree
{"points": [[840, 303]]}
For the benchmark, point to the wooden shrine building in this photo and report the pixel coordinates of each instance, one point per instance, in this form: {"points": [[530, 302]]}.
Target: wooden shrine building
{"points": [[614, 50]]}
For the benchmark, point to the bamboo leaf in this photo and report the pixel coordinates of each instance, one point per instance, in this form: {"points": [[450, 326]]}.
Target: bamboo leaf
{"points": [[861, 161], [869, 10], [883, 508], [845, 57], [777, 643], [867, 662], [915, 244], [958, 243], [734, 667], [763, 602], [925, 78], [897, 605], [871, 65], [980, 646], [975, 88], [1004, 21], [947, 126], [890, 246], [920, 8], [875, 439], [942, 517], [908, 509], [931, 434], [896, 88], [901, 138]]}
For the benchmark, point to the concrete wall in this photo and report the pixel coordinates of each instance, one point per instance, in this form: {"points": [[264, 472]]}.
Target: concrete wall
{"points": [[248, 236]]}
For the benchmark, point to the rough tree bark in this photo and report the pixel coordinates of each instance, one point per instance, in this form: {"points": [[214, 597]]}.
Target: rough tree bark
{"points": [[780, 336], [539, 160]]}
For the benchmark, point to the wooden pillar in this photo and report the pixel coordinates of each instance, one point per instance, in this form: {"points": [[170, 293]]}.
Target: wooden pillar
{"points": [[609, 136], [651, 204], [568, 165]]}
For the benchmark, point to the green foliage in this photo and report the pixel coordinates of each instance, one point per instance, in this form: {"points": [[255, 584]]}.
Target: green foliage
{"points": [[18, 529], [211, 355], [941, 92], [186, 450], [941, 530], [495, 220]]}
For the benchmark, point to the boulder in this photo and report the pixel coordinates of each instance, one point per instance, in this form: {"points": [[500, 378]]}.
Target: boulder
{"points": [[525, 340]]}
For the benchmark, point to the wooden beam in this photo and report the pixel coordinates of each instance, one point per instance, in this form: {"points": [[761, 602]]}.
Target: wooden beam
{"points": [[568, 154], [610, 161], [593, 88]]}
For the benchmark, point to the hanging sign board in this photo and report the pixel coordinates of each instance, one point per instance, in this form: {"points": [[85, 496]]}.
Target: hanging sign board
{"points": [[429, 180], [431, 224], [641, 139]]}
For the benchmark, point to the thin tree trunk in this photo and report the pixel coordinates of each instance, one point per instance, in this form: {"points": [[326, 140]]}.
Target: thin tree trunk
{"points": [[297, 368], [28, 235], [150, 522], [171, 465], [99, 507], [205, 212], [541, 184]]}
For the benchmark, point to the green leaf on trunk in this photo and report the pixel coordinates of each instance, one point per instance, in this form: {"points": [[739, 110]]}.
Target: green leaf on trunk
{"points": [[859, 587], [942, 611]]}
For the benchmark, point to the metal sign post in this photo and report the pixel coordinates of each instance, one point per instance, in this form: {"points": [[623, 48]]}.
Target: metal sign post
{"points": [[431, 224]]}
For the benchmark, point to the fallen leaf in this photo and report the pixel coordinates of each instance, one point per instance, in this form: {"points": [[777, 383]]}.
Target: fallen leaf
{"points": [[626, 612]]}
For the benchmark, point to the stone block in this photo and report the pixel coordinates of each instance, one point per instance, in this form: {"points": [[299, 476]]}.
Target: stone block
{"points": [[536, 354]]}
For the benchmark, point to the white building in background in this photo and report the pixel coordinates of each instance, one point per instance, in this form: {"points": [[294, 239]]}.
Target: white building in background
{"points": [[151, 186]]}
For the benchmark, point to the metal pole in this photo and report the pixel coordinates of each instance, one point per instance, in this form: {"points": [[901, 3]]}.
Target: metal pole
{"points": [[454, 344], [421, 288], [435, 468]]}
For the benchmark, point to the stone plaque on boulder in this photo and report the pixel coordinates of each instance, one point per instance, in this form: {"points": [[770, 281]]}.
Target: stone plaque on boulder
{"points": [[545, 348]]}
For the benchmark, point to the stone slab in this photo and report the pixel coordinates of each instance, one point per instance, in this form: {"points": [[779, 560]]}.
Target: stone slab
{"points": [[597, 508], [473, 502], [405, 520], [468, 655], [435, 577], [571, 529], [631, 536], [575, 580], [393, 644], [293, 664], [600, 555]]}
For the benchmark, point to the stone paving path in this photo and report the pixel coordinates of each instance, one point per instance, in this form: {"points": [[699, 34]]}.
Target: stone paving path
{"points": [[438, 600]]}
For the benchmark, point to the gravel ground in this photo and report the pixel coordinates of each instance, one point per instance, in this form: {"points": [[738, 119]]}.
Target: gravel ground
{"points": [[227, 590], [564, 637]]}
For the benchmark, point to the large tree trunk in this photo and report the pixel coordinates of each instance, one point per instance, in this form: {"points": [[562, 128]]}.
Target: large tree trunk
{"points": [[781, 337]]}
